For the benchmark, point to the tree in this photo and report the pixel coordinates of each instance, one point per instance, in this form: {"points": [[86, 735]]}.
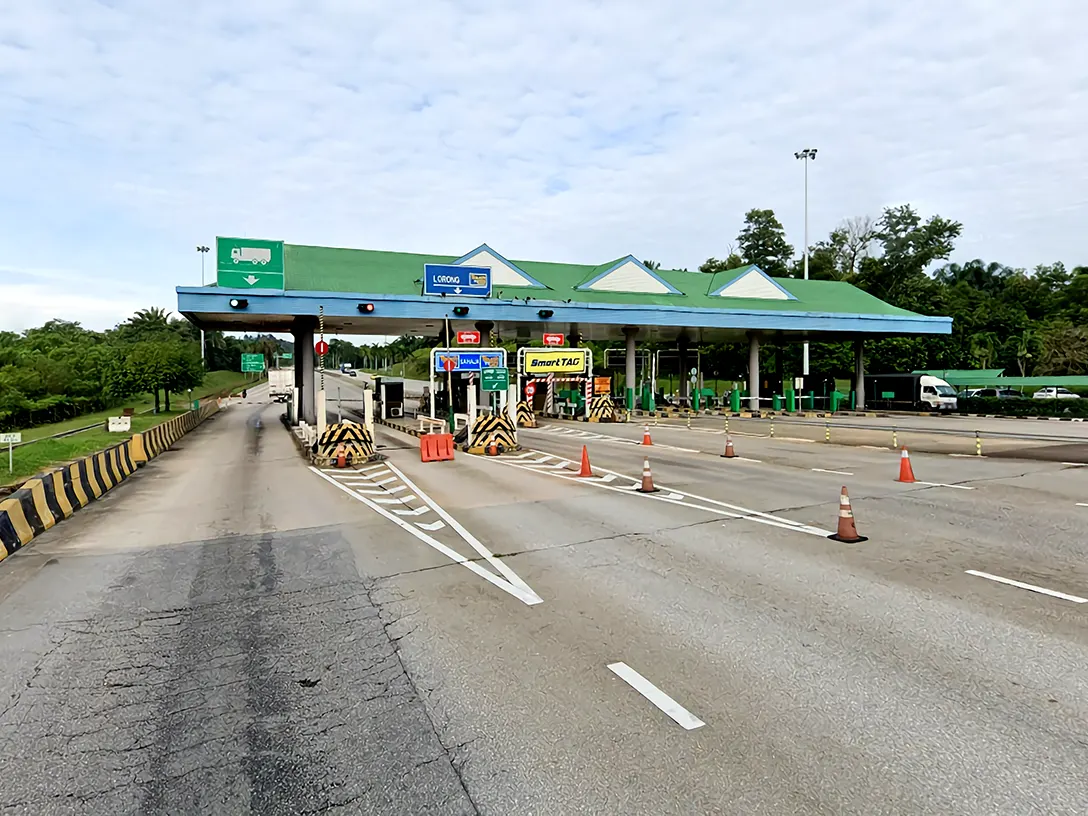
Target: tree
{"points": [[732, 261], [908, 247], [654, 265], [762, 242]]}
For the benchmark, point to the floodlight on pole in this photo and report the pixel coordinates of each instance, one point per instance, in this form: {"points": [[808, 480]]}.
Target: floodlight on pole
{"points": [[806, 155]]}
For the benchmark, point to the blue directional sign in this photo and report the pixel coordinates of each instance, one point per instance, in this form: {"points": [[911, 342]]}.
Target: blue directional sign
{"points": [[468, 360], [450, 279]]}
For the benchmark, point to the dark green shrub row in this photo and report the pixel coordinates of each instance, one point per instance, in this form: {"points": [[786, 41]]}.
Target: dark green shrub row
{"points": [[1025, 407]]}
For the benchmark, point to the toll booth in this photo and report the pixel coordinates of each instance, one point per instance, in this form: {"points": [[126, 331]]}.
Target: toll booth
{"points": [[390, 396], [561, 380], [463, 379]]}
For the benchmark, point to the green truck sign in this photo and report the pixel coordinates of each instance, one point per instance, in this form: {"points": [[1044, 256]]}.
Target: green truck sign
{"points": [[248, 263], [495, 379], [252, 362]]}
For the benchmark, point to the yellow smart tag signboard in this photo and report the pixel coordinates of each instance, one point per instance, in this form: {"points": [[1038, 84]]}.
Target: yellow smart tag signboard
{"points": [[556, 361]]}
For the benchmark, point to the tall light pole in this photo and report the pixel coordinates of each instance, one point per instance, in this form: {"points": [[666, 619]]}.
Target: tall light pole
{"points": [[203, 250], [805, 155]]}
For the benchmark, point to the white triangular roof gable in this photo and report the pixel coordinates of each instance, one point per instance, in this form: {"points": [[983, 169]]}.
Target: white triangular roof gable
{"points": [[503, 272], [755, 284], [630, 275]]}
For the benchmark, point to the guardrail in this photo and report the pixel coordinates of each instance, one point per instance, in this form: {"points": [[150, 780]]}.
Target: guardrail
{"points": [[897, 429]]}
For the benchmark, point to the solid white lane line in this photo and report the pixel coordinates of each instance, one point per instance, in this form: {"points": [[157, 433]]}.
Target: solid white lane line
{"points": [[939, 484], [1075, 464], [684, 718], [967, 456], [502, 568], [689, 500], [528, 598], [835, 472], [1052, 592], [746, 459], [1082, 504]]}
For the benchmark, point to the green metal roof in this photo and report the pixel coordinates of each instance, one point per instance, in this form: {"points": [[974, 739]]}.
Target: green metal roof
{"points": [[328, 269]]}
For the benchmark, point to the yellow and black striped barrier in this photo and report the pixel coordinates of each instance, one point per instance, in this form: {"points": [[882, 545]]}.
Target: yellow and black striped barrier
{"points": [[356, 439], [602, 409], [526, 417], [492, 428], [55, 494]]}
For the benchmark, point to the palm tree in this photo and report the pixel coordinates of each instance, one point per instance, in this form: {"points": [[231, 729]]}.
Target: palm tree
{"points": [[654, 265], [1024, 344]]}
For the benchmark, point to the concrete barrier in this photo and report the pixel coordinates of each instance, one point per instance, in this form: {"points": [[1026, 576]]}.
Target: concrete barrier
{"points": [[55, 494]]}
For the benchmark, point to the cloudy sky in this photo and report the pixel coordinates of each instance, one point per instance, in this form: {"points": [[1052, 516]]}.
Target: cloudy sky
{"points": [[551, 129]]}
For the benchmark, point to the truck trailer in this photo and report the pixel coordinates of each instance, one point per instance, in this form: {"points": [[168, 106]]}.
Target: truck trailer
{"points": [[281, 384], [909, 392]]}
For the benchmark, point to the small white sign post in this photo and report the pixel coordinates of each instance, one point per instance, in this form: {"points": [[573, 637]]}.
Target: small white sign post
{"points": [[121, 424], [12, 439]]}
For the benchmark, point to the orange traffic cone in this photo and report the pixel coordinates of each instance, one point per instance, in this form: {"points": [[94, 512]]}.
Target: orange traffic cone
{"points": [[586, 469], [848, 530], [493, 448], [341, 456], [646, 436], [729, 452], [906, 472], [647, 478]]}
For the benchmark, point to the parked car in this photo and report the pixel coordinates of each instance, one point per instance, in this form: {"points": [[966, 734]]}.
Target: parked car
{"points": [[998, 393], [1054, 393]]}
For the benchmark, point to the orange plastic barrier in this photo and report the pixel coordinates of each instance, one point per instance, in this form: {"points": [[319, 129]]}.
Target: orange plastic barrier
{"points": [[436, 447]]}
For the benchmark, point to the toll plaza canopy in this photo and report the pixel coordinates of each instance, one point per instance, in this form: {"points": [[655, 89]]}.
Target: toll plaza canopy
{"points": [[267, 286], [273, 286]]}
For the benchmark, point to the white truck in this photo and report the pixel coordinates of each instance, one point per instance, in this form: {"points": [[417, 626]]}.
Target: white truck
{"points": [[281, 384], [254, 255]]}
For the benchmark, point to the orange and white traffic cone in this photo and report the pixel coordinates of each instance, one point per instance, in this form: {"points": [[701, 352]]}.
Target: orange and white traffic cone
{"points": [[848, 530], [906, 472], [729, 452], [646, 436], [493, 448], [341, 456], [586, 469], [647, 478]]}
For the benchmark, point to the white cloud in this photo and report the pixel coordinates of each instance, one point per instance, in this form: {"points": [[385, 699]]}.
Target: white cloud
{"points": [[576, 131]]}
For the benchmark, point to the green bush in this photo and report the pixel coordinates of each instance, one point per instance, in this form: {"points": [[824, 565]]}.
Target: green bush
{"points": [[1025, 407]]}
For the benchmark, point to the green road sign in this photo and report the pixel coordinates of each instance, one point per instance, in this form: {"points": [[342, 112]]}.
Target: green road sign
{"points": [[495, 379], [248, 263], [252, 362]]}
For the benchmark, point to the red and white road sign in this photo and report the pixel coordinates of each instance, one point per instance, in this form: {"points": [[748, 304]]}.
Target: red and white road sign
{"points": [[530, 389], [468, 338], [554, 339], [448, 364], [321, 347]]}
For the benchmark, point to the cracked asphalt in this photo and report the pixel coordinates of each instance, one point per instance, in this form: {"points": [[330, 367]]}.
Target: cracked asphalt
{"points": [[229, 633], [202, 642]]}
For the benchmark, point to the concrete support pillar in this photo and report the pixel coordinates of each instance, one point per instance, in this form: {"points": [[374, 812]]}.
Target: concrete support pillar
{"points": [[682, 349], [303, 335], [630, 376], [753, 372], [859, 374]]}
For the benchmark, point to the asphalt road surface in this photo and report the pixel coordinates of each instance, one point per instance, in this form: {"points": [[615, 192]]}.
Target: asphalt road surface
{"points": [[232, 631]]}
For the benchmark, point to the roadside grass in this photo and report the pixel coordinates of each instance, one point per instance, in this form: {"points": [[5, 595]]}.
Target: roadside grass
{"points": [[45, 453], [30, 459], [215, 383]]}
